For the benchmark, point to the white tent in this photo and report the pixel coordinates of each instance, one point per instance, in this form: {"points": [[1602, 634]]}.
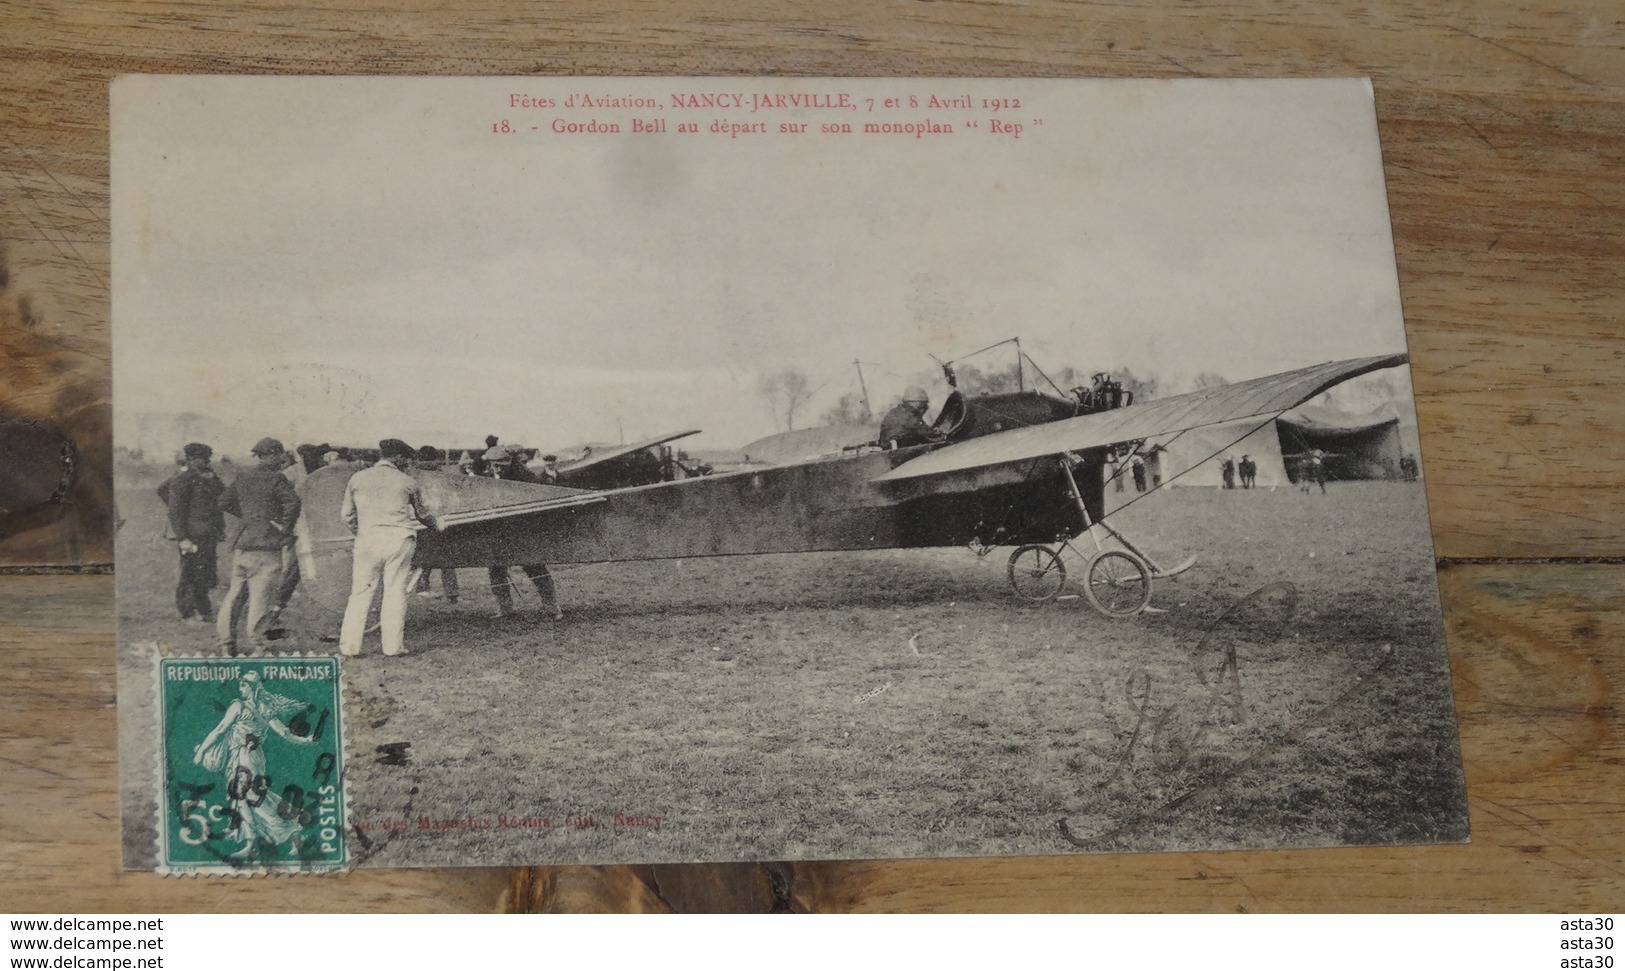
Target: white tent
{"points": [[1196, 456], [1365, 446]]}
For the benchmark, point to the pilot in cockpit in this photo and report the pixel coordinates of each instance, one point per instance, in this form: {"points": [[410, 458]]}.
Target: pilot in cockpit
{"points": [[905, 424]]}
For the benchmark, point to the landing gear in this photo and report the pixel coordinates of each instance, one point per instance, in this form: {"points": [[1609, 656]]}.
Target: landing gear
{"points": [[1037, 573], [1117, 583]]}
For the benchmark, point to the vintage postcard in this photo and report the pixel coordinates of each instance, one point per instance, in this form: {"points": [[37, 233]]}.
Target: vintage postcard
{"points": [[604, 470]]}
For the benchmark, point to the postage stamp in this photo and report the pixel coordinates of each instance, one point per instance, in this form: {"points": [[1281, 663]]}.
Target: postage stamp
{"points": [[252, 764]]}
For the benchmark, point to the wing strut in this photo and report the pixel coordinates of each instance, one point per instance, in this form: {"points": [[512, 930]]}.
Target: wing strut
{"points": [[1089, 527]]}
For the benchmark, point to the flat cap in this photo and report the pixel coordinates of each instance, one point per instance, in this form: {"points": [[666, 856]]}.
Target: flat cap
{"points": [[197, 450], [267, 446], [391, 448]]}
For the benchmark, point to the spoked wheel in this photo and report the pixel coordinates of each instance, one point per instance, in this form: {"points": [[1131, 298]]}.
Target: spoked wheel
{"points": [[1036, 573], [1117, 583]]}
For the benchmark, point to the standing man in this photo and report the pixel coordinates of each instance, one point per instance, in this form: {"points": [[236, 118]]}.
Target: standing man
{"points": [[384, 509], [193, 496], [501, 463], [264, 501], [1249, 472], [1229, 472], [1317, 469], [294, 470]]}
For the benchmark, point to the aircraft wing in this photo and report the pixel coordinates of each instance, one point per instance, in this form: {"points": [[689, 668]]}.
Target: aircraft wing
{"points": [[605, 454], [1258, 398]]}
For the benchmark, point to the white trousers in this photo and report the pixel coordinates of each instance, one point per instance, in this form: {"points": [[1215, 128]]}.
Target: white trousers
{"points": [[383, 559]]}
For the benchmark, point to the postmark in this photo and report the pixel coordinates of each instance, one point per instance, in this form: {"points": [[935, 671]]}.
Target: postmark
{"points": [[252, 765]]}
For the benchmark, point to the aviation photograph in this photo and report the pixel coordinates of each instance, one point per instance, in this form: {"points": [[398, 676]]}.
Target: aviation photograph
{"points": [[656, 470]]}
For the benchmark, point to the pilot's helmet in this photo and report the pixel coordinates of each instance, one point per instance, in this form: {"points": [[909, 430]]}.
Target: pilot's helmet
{"points": [[916, 395]]}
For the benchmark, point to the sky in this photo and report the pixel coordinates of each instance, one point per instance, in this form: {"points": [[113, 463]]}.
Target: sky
{"points": [[346, 259]]}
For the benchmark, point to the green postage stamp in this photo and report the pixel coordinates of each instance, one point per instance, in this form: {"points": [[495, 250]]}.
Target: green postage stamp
{"points": [[253, 765]]}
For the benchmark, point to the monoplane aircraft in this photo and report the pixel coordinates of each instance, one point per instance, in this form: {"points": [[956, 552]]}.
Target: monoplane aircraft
{"points": [[1019, 469]]}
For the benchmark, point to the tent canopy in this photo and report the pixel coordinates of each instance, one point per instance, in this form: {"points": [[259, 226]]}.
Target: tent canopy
{"points": [[1357, 447]]}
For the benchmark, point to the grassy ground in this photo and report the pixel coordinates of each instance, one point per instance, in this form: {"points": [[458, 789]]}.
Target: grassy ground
{"points": [[895, 703]]}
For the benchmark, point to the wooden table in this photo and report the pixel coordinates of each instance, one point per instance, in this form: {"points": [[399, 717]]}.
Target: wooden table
{"points": [[1503, 133]]}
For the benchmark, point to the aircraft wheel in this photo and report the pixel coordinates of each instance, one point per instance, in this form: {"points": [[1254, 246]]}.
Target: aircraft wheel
{"points": [[1036, 573], [1117, 583]]}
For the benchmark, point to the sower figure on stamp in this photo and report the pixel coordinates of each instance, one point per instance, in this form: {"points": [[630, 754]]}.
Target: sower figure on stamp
{"points": [[501, 463], [384, 509], [236, 748], [193, 497], [265, 502]]}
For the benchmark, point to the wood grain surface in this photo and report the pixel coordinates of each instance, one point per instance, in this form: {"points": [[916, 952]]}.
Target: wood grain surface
{"points": [[1503, 133]]}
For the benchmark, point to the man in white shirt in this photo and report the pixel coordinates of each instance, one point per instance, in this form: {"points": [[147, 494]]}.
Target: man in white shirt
{"points": [[384, 509]]}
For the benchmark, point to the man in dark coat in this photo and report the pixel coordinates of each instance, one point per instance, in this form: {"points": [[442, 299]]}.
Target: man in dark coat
{"points": [[264, 501], [193, 497], [503, 463]]}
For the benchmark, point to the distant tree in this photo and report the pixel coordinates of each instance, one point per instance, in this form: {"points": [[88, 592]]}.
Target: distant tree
{"points": [[849, 410], [786, 391]]}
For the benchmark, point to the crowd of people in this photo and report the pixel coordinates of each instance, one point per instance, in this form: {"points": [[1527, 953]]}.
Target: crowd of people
{"points": [[383, 508]]}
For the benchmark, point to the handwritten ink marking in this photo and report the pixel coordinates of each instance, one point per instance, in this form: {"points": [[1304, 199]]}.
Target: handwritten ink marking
{"points": [[1218, 673], [393, 753]]}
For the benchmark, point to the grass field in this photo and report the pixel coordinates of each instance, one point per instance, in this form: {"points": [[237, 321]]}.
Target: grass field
{"points": [[860, 705]]}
